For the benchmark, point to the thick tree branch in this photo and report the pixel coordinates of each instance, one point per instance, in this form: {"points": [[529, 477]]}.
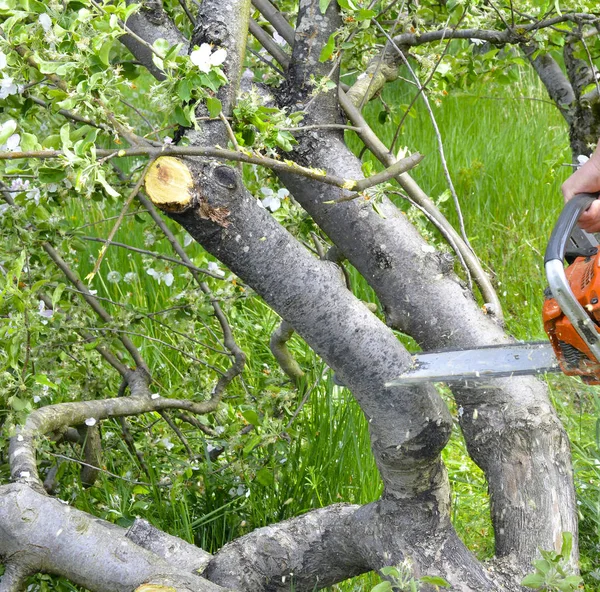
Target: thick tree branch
{"points": [[187, 557], [56, 538], [310, 552], [557, 84]]}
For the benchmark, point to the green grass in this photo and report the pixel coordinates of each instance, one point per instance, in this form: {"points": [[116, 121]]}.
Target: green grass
{"points": [[505, 158]]}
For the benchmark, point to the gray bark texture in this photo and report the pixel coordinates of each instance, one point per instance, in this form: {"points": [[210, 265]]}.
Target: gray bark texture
{"points": [[511, 429]]}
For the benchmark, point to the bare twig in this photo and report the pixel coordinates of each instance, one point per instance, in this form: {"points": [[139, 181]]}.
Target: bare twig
{"points": [[277, 165], [114, 229], [282, 354], [93, 302], [178, 433], [438, 136]]}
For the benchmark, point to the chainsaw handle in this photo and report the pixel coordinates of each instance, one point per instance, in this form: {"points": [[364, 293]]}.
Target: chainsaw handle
{"points": [[555, 271], [565, 224]]}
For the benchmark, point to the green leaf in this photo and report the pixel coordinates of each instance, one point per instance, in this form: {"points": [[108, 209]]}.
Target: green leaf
{"points": [[91, 345], [65, 136], [161, 46], [43, 380], [214, 106], [571, 583], [542, 566], [254, 442], [17, 403], [435, 581], [533, 581], [567, 545], [38, 285], [107, 187], [382, 587], [50, 175], [57, 294], [363, 14], [29, 142], [265, 477], [323, 5], [557, 7], [390, 571], [7, 129], [328, 49], [251, 416], [104, 52]]}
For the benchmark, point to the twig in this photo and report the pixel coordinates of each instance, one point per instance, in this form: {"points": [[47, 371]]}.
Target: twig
{"points": [[276, 19], [93, 302], [196, 423], [439, 140], [178, 433], [190, 16], [130, 443], [156, 340], [417, 195], [232, 137], [302, 403], [154, 255], [279, 349], [272, 163], [99, 469], [268, 43], [90, 276]]}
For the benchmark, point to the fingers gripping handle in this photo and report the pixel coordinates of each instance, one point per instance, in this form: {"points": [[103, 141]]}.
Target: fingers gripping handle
{"points": [[565, 224]]}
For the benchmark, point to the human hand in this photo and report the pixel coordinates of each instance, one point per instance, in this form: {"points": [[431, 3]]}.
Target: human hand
{"points": [[586, 180]]}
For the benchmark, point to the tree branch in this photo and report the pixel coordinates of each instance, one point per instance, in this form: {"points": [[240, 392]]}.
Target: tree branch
{"points": [[57, 538]]}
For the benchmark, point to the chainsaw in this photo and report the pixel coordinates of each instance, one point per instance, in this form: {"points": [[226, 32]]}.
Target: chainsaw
{"points": [[571, 315]]}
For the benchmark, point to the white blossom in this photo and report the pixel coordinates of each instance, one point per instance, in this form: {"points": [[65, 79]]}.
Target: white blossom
{"points": [[205, 58], [272, 200], [214, 268], [582, 159], [130, 277], [45, 22], [17, 186], [90, 421], [43, 311], [34, 195], [278, 38], [161, 276], [13, 144], [187, 240], [7, 87], [166, 442]]}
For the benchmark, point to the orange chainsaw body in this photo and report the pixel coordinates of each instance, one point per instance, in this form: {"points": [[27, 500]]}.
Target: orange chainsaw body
{"points": [[572, 353]]}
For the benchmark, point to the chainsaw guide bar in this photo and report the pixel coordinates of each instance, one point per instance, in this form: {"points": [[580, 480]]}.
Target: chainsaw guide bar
{"points": [[512, 359]]}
